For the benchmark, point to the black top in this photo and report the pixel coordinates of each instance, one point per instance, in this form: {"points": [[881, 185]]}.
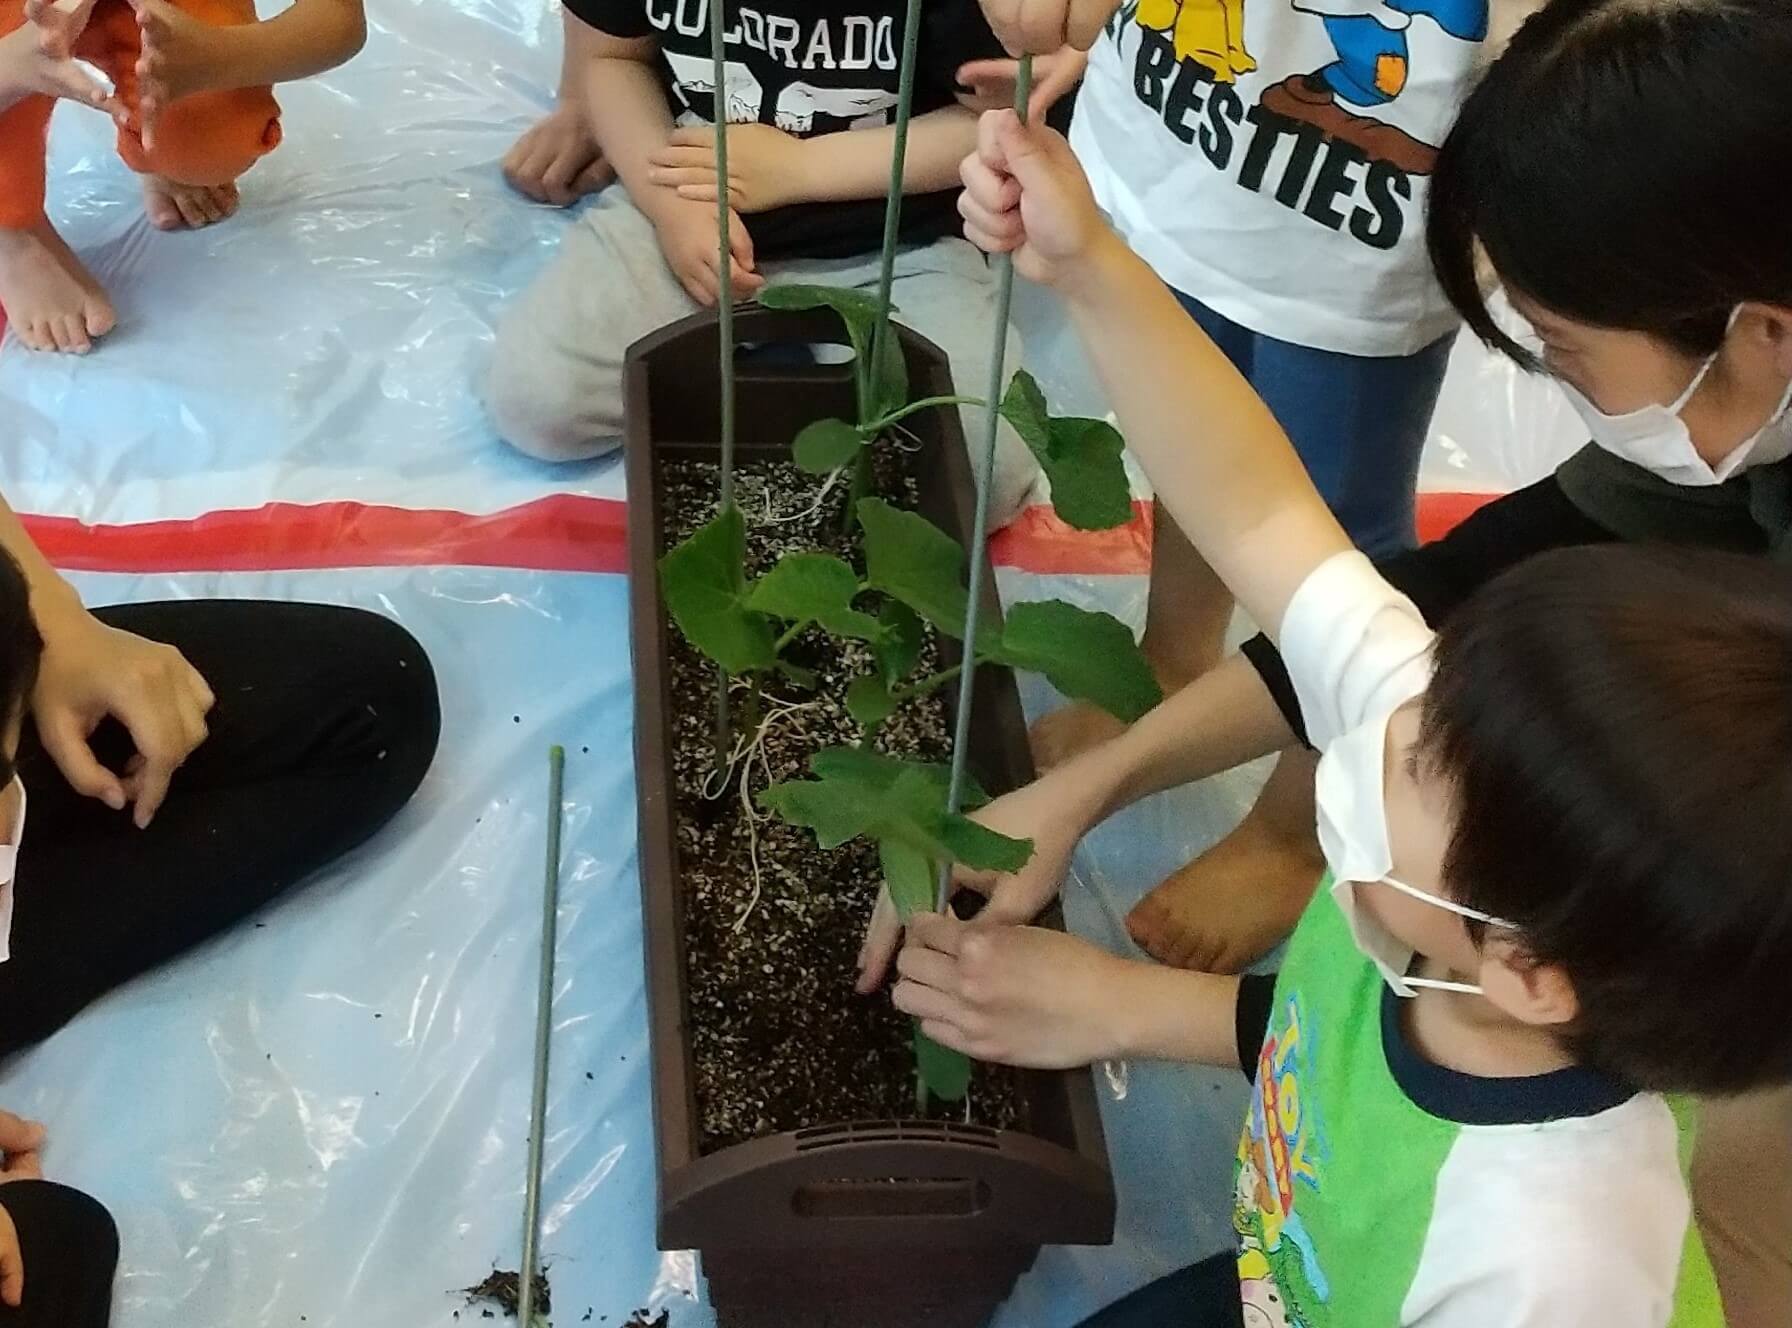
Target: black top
{"points": [[1594, 498], [812, 67]]}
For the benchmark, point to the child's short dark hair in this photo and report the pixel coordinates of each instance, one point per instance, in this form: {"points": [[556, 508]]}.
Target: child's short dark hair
{"points": [[1623, 163], [1617, 726], [21, 648]]}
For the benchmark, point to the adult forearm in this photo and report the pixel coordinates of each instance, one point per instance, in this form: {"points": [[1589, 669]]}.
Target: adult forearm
{"points": [[1222, 719], [855, 164], [1216, 456]]}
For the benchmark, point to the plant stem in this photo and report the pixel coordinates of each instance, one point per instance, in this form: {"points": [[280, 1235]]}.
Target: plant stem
{"points": [[878, 426], [930, 683], [795, 630], [886, 278], [752, 725], [860, 488], [544, 1028], [961, 733]]}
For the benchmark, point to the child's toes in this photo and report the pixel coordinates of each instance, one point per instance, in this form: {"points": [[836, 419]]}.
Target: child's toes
{"points": [[71, 335], [162, 212], [99, 316]]}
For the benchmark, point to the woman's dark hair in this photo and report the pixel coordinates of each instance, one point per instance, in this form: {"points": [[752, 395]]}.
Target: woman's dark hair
{"points": [[21, 649], [1616, 725], [1625, 163]]}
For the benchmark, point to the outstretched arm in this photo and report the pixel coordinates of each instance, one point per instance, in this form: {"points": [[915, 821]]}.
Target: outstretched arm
{"points": [[1216, 456], [1051, 1001], [181, 55]]}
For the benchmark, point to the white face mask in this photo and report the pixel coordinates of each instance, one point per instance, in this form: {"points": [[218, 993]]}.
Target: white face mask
{"points": [[9, 865], [1351, 790], [1657, 439]]}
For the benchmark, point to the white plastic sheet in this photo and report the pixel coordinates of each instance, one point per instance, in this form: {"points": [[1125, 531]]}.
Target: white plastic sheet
{"points": [[320, 1119]]}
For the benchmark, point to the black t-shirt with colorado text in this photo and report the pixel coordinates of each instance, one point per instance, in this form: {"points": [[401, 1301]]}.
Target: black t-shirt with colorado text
{"points": [[811, 67]]}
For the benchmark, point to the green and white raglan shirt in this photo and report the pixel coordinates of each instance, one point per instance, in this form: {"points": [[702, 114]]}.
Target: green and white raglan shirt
{"points": [[1375, 1188]]}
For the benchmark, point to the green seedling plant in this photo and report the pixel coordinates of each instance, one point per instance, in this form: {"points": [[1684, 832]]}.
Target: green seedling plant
{"points": [[913, 581]]}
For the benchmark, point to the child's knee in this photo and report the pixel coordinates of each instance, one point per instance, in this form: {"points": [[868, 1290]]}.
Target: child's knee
{"points": [[543, 413], [209, 139]]}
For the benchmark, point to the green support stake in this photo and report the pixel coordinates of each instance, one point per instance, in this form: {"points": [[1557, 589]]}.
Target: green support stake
{"points": [[724, 325], [886, 278], [544, 1027], [979, 550]]}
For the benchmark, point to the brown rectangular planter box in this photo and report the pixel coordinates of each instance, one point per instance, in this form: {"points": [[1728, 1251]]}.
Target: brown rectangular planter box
{"points": [[848, 1224]]}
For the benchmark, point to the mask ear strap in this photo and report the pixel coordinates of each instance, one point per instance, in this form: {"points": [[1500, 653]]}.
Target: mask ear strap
{"points": [[1460, 910]]}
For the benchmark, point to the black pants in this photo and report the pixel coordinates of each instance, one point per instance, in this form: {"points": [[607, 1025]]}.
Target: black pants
{"points": [[1203, 1295], [326, 723], [70, 1251]]}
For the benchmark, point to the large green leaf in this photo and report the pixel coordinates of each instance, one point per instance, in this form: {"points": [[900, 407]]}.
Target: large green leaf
{"points": [[859, 792], [813, 587], [1081, 458], [946, 1073], [1088, 656], [897, 645], [704, 584], [857, 308], [913, 560], [825, 445]]}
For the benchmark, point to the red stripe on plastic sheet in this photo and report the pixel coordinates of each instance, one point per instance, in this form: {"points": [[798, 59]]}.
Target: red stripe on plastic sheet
{"points": [[562, 533]]}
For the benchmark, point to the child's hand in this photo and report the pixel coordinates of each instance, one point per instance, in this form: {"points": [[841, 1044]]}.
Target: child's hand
{"points": [[20, 1143], [1015, 995], [41, 55], [558, 160], [91, 673], [687, 233], [179, 56], [1051, 812], [12, 1262], [1025, 194], [1036, 27], [765, 166], [989, 84]]}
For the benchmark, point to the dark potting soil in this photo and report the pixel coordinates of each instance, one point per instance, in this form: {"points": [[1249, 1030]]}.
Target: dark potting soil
{"points": [[505, 1290], [779, 1040]]}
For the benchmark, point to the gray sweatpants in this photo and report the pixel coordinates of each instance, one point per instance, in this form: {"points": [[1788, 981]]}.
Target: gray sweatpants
{"points": [[556, 381]]}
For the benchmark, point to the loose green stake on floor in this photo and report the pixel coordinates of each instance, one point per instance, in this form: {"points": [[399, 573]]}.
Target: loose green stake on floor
{"points": [[544, 1026]]}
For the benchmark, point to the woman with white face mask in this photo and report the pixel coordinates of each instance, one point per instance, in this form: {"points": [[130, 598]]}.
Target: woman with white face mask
{"points": [[1611, 171]]}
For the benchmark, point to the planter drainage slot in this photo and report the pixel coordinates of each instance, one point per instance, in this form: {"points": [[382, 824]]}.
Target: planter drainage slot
{"points": [[892, 1197], [864, 1132]]}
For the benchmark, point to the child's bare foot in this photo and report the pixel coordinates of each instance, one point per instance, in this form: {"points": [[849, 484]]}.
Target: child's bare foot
{"points": [[1230, 906], [176, 207], [52, 301], [1237, 901]]}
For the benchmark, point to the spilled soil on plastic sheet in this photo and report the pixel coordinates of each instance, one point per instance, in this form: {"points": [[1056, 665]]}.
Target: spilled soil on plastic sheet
{"points": [[773, 923]]}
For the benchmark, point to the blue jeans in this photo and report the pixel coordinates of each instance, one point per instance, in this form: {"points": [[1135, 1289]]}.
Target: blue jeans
{"points": [[1359, 423]]}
